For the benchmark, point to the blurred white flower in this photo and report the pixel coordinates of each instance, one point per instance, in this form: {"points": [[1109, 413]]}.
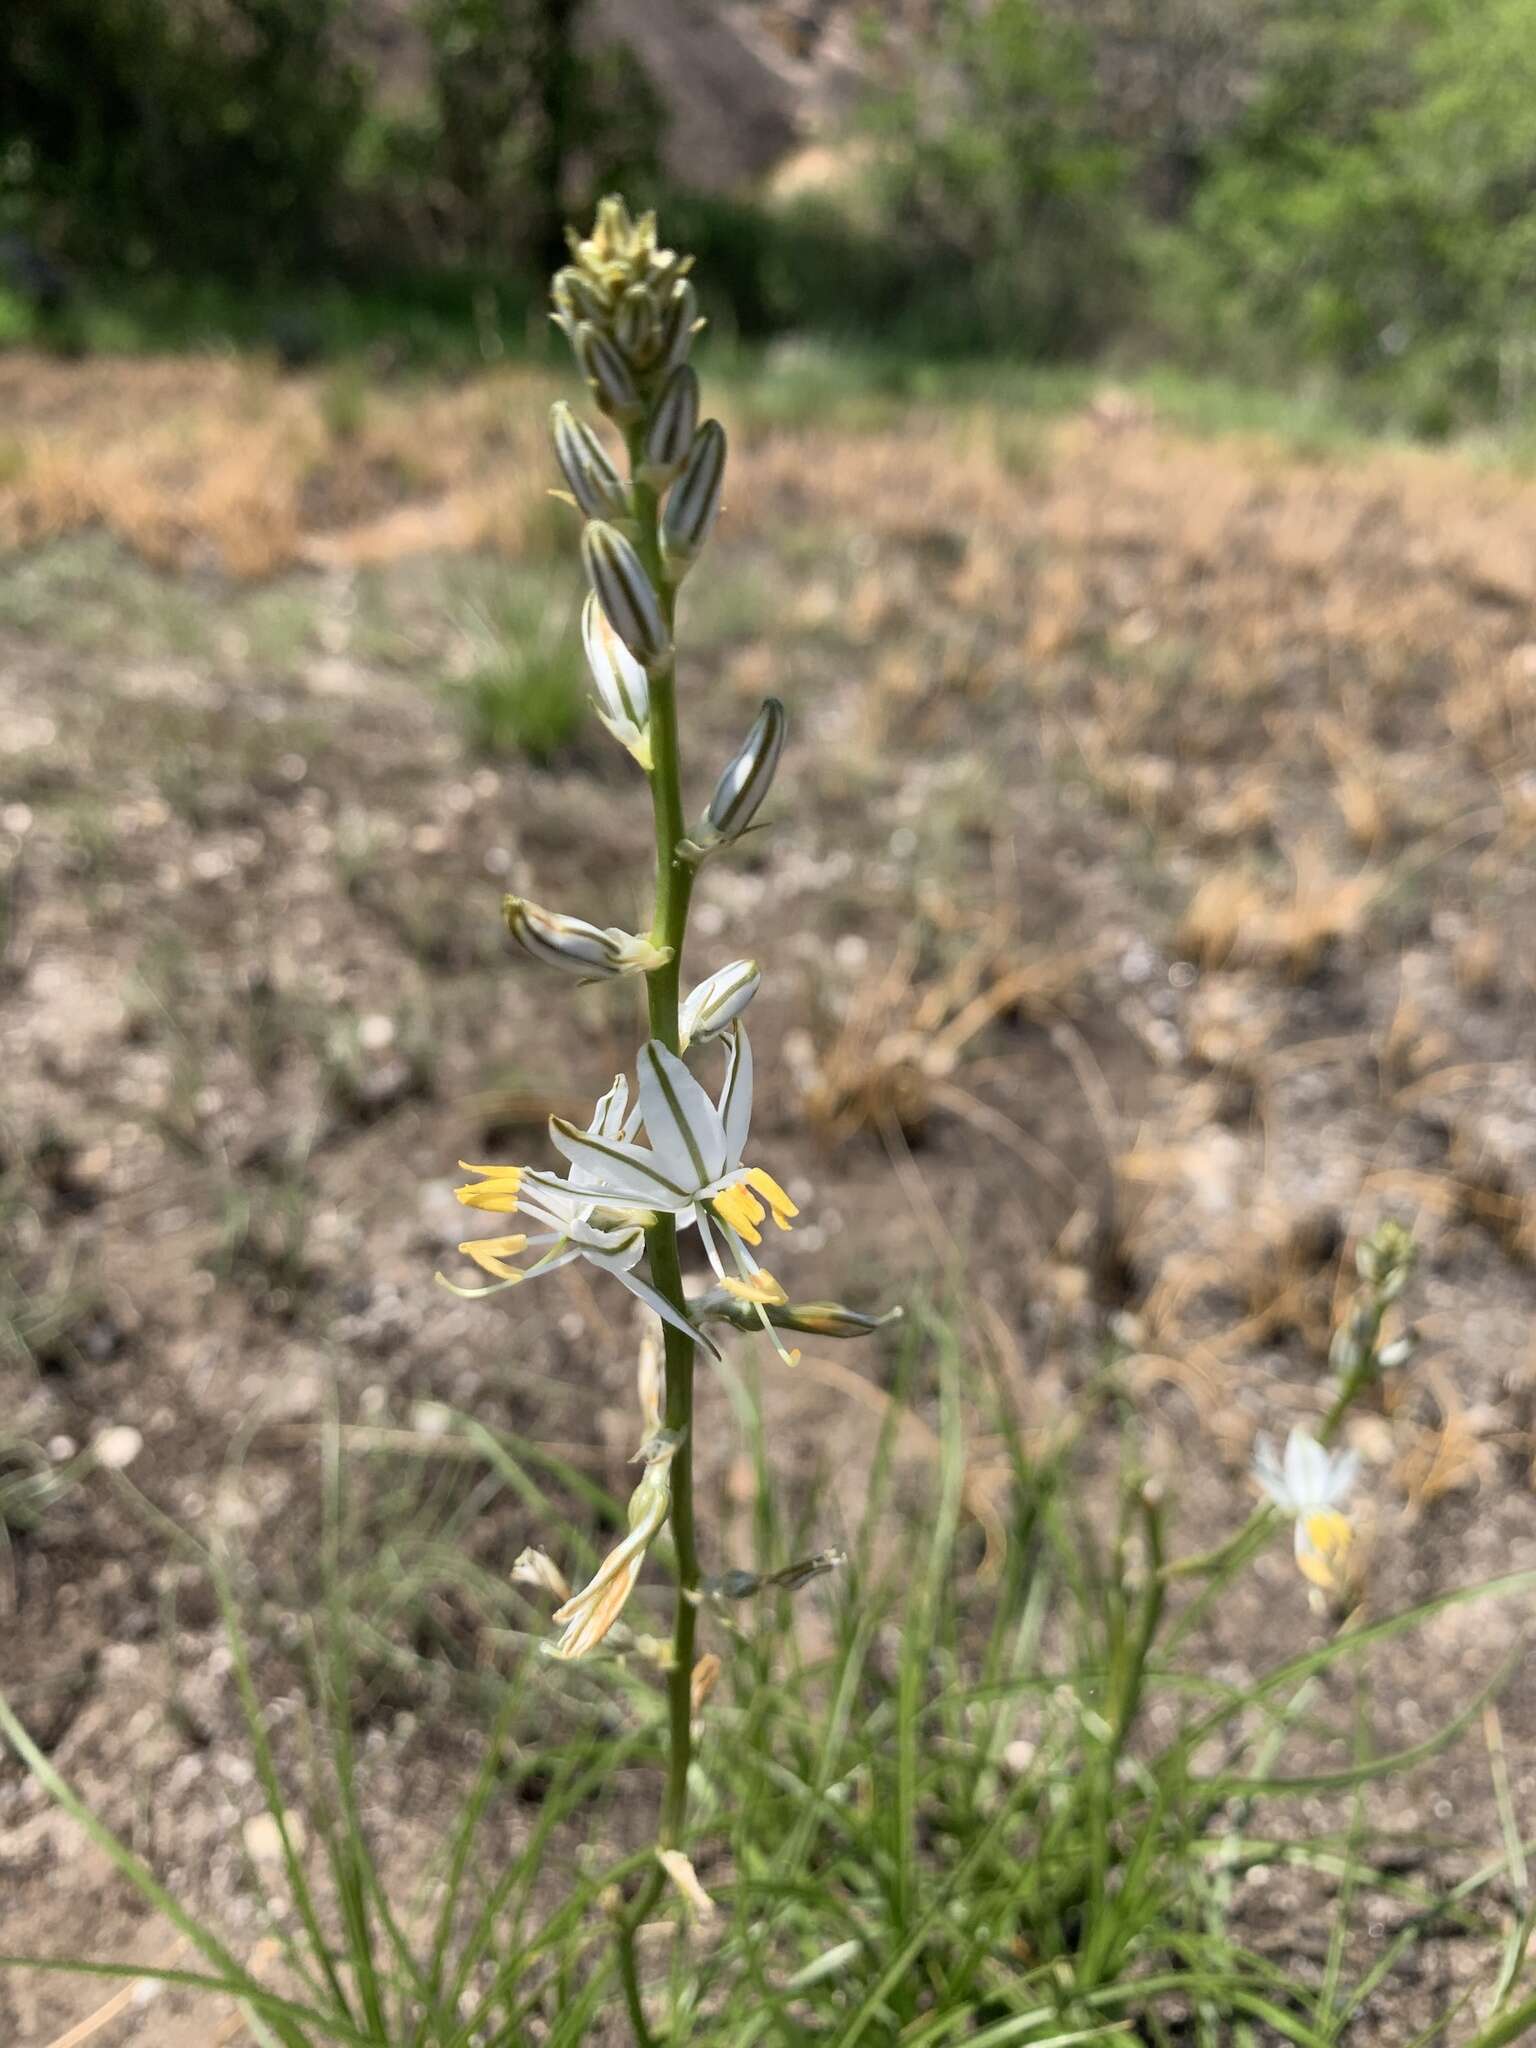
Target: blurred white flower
{"points": [[1310, 1483]]}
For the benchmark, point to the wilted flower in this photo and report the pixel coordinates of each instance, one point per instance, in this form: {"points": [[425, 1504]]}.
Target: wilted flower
{"points": [[533, 1567], [588, 1615], [579, 947], [1310, 1484], [717, 1002]]}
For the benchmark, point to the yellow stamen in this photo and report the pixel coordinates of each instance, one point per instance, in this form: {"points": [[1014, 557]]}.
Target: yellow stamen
{"points": [[498, 1192], [1323, 1541], [739, 1208], [778, 1202], [762, 1289], [489, 1252]]}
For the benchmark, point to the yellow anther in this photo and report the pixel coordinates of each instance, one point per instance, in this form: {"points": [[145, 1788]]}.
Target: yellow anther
{"points": [[1323, 1541], [740, 1210], [762, 1290], [489, 1252], [778, 1202], [498, 1192]]}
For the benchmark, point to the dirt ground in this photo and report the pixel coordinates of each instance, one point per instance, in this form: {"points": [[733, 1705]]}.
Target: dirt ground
{"points": [[1149, 910]]}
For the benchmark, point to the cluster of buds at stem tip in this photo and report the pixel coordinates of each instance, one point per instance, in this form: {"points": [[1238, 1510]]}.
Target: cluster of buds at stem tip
{"points": [[625, 305], [1384, 1261], [627, 595], [739, 793], [580, 948]]}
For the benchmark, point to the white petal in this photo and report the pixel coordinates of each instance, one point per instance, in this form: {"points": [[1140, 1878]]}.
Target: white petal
{"points": [[643, 1291], [1301, 1470], [608, 1117], [736, 1094], [681, 1122], [624, 1172], [1270, 1474], [1343, 1469]]}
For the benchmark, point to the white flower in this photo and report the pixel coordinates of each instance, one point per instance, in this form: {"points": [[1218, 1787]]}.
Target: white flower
{"points": [[1311, 1483], [717, 1002], [623, 688], [581, 1221], [693, 1167]]}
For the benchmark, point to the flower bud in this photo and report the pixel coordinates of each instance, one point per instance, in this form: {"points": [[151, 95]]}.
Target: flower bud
{"points": [[634, 324], [693, 504], [626, 594], [608, 374], [534, 1567], [717, 1002], [742, 787], [739, 1305], [579, 947], [680, 322], [1397, 1354], [623, 689], [576, 301], [595, 484], [670, 430], [831, 1319]]}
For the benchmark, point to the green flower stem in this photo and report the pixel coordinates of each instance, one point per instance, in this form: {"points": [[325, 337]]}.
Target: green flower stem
{"points": [[674, 886]]}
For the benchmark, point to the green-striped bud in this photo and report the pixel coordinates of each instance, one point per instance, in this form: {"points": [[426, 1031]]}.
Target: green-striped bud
{"points": [[815, 1318], [680, 322], [626, 595], [717, 1002], [623, 689], [740, 791], [634, 324], [578, 947], [595, 484], [741, 1585], [608, 374], [693, 503], [670, 429]]}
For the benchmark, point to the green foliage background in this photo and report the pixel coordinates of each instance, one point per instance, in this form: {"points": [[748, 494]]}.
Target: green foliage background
{"points": [[1283, 189]]}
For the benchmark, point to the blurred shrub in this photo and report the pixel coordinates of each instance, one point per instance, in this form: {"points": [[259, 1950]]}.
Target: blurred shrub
{"points": [[995, 183], [200, 135], [1376, 211], [980, 208], [527, 124]]}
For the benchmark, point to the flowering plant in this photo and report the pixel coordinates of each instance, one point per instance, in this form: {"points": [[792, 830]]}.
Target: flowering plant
{"points": [[641, 1174]]}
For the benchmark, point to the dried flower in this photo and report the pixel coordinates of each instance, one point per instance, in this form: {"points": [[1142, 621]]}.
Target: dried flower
{"points": [[588, 1615]]}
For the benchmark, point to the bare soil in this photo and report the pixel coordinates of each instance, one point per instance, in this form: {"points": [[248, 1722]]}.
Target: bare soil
{"points": [[1148, 911]]}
